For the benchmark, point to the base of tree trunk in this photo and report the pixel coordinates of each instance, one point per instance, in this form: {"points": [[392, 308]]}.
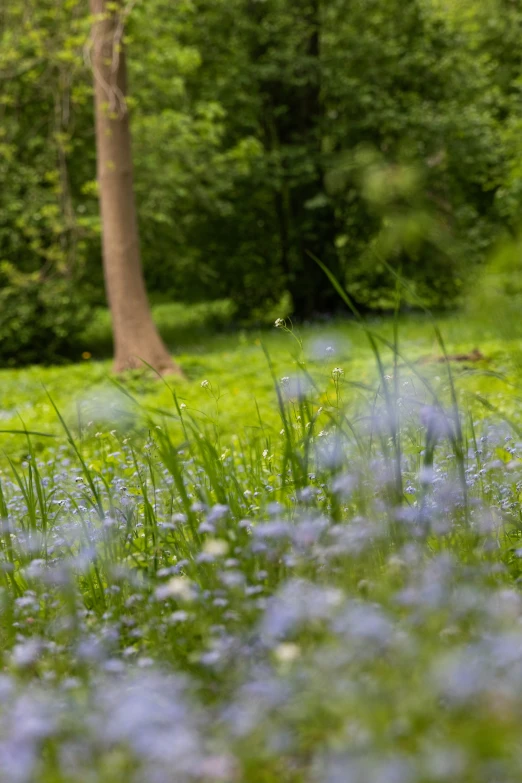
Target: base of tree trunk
{"points": [[163, 366]]}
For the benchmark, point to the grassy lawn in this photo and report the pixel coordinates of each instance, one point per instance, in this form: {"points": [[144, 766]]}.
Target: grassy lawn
{"points": [[236, 592], [236, 366]]}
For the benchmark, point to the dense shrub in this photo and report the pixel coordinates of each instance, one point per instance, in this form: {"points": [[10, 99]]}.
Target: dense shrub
{"points": [[40, 321]]}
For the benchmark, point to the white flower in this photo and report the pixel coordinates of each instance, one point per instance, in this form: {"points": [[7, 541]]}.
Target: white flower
{"points": [[183, 406], [279, 323], [330, 350], [285, 380], [178, 587], [337, 372], [205, 384], [265, 453], [396, 564], [287, 652], [216, 547]]}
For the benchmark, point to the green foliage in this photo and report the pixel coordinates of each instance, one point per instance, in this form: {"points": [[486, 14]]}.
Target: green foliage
{"points": [[496, 299], [41, 320], [46, 145], [367, 134], [423, 93], [422, 87]]}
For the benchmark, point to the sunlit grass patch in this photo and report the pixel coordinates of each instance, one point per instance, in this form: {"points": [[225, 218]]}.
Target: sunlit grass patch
{"points": [[236, 364]]}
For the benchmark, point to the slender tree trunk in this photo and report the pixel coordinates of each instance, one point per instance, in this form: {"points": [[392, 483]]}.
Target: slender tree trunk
{"points": [[135, 334], [293, 123]]}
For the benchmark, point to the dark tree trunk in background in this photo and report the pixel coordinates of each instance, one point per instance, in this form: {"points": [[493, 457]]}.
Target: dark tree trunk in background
{"points": [[293, 122], [315, 227], [135, 334]]}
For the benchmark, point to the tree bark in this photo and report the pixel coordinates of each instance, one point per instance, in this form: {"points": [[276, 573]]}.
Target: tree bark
{"points": [[136, 337]]}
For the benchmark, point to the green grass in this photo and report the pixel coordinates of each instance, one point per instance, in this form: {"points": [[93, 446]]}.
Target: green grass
{"points": [[178, 323], [273, 583], [236, 366]]}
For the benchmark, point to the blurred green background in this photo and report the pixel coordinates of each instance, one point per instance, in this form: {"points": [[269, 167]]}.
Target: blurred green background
{"points": [[369, 133]]}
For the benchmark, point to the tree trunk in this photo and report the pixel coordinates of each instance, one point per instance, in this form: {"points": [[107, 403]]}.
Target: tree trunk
{"points": [[293, 122], [135, 335]]}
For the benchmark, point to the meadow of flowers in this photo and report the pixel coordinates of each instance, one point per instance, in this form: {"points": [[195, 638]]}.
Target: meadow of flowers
{"points": [[334, 601]]}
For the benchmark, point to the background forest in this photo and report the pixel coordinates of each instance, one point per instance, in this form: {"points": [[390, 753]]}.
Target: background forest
{"points": [[366, 133]]}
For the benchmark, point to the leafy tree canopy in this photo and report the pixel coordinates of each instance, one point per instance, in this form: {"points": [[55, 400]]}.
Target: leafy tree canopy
{"points": [[367, 133]]}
